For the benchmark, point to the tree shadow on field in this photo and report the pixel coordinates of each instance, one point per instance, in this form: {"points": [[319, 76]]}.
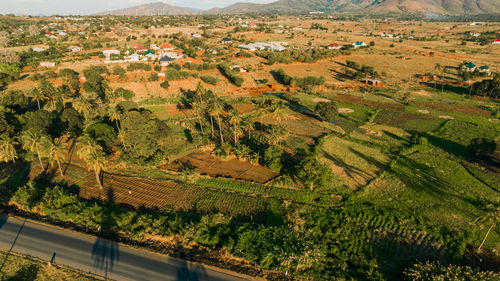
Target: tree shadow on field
{"points": [[105, 251], [368, 159], [28, 272], [449, 146], [191, 272]]}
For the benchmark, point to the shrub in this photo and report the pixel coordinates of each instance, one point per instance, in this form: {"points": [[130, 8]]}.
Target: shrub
{"points": [[327, 110], [273, 157], [430, 271], [230, 74], [118, 70], [212, 80], [283, 78], [165, 85]]}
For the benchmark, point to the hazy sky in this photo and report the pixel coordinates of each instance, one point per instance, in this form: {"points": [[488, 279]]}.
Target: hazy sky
{"points": [[83, 7]]}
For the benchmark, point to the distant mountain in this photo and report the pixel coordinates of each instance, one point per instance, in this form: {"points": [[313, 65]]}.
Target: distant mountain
{"points": [[453, 7], [158, 8]]}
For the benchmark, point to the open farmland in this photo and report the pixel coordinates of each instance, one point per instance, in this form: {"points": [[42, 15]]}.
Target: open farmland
{"points": [[299, 147]]}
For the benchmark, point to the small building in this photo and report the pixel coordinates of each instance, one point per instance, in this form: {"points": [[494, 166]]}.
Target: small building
{"points": [[139, 48], [252, 25], [484, 69], [48, 64], [134, 57], [75, 48], [359, 44], [470, 67], [167, 47], [196, 35], [334, 46], [497, 41], [226, 41], [38, 50], [154, 47], [373, 83], [166, 60], [108, 53]]}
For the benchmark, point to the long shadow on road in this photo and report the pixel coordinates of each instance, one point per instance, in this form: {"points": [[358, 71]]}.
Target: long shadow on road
{"points": [[105, 252]]}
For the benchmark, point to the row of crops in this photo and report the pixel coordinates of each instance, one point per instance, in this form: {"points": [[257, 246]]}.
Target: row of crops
{"points": [[296, 195]]}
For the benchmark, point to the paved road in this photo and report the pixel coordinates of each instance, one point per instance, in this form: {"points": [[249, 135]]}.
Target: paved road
{"points": [[99, 256]]}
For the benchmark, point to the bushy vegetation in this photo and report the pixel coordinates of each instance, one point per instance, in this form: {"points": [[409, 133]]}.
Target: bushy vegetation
{"points": [[230, 74]]}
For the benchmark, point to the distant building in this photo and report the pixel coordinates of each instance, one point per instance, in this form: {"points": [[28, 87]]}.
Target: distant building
{"points": [[196, 35], [497, 41], [359, 44], [38, 50], [75, 48], [226, 41], [252, 25], [47, 64], [334, 46], [469, 67], [273, 46], [374, 83], [108, 53], [167, 47], [484, 69], [139, 48], [166, 60]]}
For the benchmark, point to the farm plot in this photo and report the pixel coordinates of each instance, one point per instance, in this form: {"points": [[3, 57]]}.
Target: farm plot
{"points": [[300, 126], [370, 103], [385, 136], [431, 186], [463, 132], [137, 192], [353, 164], [408, 121], [206, 163], [466, 109]]}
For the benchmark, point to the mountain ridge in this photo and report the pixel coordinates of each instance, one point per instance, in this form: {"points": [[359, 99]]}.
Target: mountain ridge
{"points": [[444, 7]]}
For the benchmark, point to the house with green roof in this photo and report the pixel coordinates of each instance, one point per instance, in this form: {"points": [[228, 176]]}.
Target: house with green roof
{"points": [[484, 69], [359, 44], [469, 66]]}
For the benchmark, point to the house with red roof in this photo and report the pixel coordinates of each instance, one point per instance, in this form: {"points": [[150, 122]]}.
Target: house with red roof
{"points": [[334, 46], [139, 48], [497, 41], [167, 47]]}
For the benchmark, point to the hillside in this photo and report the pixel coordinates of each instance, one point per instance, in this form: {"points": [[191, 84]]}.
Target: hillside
{"points": [[377, 6], [158, 8]]}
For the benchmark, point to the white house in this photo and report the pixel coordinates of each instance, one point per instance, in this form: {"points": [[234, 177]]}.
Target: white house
{"points": [[334, 46], [108, 53], [75, 48], [134, 57], [47, 64], [38, 50], [359, 44], [497, 41], [196, 35]]}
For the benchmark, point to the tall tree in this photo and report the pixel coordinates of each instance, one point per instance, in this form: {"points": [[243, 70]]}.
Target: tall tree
{"points": [[37, 95], [7, 150], [235, 120], [114, 115], [96, 163], [83, 106], [216, 109], [55, 153], [32, 141]]}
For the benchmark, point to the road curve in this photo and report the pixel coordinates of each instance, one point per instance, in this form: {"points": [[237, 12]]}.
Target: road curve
{"points": [[99, 256]]}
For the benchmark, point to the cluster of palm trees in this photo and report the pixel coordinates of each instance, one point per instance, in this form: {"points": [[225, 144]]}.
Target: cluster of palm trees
{"points": [[211, 111]]}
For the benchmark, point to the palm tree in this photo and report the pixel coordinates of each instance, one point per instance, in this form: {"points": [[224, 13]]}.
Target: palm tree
{"points": [[7, 150], [199, 110], [37, 95], [46, 88], [200, 92], [88, 147], [235, 120], [261, 110], [55, 153], [216, 109], [83, 106], [248, 127], [278, 111], [32, 141], [114, 115], [96, 162]]}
